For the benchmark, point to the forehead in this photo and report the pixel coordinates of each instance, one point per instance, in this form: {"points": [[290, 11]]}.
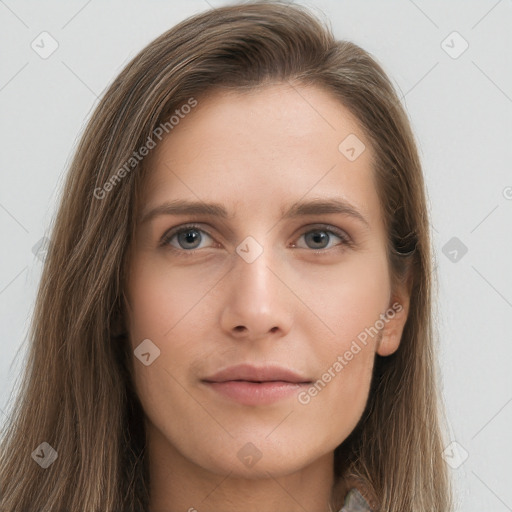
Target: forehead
{"points": [[257, 150]]}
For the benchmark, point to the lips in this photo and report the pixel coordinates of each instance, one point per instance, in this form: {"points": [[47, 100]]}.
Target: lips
{"points": [[261, 374], [256, 386]]}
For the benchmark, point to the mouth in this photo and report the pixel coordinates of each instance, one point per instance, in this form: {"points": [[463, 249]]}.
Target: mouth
{"points": [[251, 385]]}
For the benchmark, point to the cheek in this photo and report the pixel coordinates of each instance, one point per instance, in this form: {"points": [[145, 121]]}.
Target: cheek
{"points": [[349, 308], [164, 305], [161, 303], [347, 301], [336, 402], [161, 296]]}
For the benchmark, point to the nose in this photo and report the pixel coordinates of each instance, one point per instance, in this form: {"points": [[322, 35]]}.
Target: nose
{"points": [[257, 300]]}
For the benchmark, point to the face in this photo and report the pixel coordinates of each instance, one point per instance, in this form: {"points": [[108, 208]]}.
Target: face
{"points": [[262, 314]]}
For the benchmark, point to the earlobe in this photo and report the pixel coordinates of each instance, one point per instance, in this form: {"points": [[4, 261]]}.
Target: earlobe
{"points": [[396, 316]]}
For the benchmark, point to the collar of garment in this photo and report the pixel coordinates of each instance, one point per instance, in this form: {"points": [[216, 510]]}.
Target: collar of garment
{"points": [[355, 502]]}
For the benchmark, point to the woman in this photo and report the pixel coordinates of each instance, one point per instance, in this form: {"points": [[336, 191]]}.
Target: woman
{"points": [[195, 345]]}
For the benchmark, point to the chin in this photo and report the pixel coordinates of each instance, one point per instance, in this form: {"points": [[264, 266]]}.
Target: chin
{"points": [[256, 459]]}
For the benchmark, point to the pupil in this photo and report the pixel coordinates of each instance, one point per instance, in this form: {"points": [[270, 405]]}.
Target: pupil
{"points": [[188, 237]]}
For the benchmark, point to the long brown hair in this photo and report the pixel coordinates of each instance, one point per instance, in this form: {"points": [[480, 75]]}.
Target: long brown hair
{"points": [[77, 393]]}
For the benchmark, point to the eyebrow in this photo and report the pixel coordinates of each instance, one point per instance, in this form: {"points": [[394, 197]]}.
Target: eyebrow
{"points": [[298, 209]]}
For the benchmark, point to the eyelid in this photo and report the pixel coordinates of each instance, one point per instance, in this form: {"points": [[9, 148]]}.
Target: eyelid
{"points": [[340, 233]]}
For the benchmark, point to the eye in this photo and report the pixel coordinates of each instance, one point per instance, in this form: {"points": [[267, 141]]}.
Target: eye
{"points": [[322, 238], [187, 237]]}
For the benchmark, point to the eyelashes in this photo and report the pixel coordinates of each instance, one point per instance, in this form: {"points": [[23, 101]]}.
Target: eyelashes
{"points": [[177, 238]]}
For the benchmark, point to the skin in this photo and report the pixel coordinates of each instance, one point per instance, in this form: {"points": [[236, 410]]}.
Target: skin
{"points": [[299, 304]]}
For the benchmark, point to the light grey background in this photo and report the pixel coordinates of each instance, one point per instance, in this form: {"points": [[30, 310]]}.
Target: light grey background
{"points": [[461, 111]]}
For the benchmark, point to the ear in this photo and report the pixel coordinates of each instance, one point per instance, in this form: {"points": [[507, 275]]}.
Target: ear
{"points": [[396, 316]]}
